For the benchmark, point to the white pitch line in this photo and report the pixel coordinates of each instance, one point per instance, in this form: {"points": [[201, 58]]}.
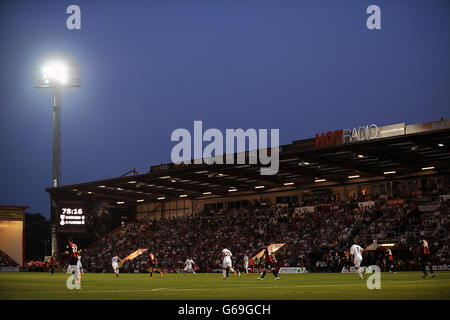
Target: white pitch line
{"points": [[93, 291], [300, 286], [117, 291]]}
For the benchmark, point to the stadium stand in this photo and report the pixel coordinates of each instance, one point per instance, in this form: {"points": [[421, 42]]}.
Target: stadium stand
{"points": [[6, 261], [331, 190], [316, 241]]}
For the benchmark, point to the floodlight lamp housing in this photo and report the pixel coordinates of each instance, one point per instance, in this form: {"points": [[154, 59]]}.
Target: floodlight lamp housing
{"points": [[56, 75]]}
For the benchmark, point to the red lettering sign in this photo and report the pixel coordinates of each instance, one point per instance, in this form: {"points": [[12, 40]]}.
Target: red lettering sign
{"points": [[329, 139]]}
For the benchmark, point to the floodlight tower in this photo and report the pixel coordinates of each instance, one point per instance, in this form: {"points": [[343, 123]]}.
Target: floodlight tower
{"points": [[56, 75]]}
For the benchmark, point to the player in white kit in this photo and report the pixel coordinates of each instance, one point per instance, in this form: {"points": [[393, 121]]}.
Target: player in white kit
{"points": [[115, 265], [226, 263], [188, 266], [79, 267], [246, 263], [356, 251]]}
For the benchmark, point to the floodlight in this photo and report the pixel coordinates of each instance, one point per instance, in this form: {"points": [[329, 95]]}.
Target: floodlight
{"points": [[56, 71], [56, 74]]}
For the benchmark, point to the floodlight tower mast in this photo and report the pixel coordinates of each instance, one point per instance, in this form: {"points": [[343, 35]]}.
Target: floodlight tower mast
{"points": [[56, 104]]}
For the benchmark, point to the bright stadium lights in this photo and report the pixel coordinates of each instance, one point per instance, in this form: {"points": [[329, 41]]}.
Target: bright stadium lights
{"points": [[208, 192], [164, 177], [427, 168], [288, 184], [161, 198], [102, 186], [131, 182], [441, 145], [320, 180], [260, 187], [390, 172], [150, 185], [120, 189], [56, 74], [360, 156], [140, 200], [303, 163], [173, 180], [120, 202], [56, 71], [183, 195], [353, 177], [232, 190], [90, 192]]}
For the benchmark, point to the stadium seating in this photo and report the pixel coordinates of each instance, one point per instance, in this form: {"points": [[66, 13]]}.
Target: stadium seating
{"points": [[310, 237], [6, 261]]}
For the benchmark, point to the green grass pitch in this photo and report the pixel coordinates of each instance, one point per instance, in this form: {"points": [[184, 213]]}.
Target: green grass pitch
{"points": [[323, 286]]}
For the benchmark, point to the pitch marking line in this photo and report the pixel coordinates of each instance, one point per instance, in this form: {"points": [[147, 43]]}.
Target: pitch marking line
{"points": [[131, 290], [93, 291], [300, 286]]}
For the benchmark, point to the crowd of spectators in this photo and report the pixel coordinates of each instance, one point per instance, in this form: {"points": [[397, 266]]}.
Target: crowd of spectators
{"points": [[317, 241], [34, 266]]}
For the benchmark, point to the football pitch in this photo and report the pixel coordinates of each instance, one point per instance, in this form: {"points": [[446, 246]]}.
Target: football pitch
{"points": [[316, 286]]}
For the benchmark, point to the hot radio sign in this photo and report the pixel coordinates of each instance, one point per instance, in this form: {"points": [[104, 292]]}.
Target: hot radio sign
{"points": [[360, 134], [356, 134], [71, 216]]}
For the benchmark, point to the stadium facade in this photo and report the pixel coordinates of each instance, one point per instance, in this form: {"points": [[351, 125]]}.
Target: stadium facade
{"points": [[12, 234], [362, 163]]}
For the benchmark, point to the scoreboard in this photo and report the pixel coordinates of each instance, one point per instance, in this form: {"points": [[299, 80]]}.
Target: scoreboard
{"points": [[70, 217]]}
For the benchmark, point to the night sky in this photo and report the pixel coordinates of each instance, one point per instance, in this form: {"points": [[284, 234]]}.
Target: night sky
{"points": [[150, 67]]}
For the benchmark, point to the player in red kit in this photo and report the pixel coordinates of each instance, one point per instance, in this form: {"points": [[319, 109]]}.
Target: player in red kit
{"points": [[390, 261], [424, 257], [52, 264], [269, 263], [153, 264], [73, 256]]}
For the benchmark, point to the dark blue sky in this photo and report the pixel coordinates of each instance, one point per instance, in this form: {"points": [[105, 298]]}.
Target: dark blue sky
{"points": [[149, 67]]}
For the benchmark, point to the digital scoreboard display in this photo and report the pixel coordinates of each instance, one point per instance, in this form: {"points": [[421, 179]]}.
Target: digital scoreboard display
{"points": [[71, 218]]}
